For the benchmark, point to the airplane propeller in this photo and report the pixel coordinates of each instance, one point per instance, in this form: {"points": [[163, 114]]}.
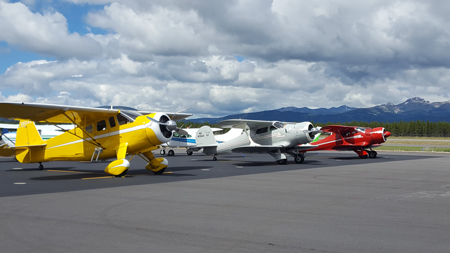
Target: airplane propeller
{"points": [[170, 125]]}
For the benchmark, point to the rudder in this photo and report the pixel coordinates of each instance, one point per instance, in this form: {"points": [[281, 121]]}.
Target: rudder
{"points": [[27, 134], [205, 137]]}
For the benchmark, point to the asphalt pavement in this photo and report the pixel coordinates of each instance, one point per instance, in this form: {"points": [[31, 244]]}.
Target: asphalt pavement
{"points": [[334, 202]]}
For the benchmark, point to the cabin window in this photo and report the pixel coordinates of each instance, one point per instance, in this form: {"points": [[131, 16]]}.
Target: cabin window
{"points": [[272, 128], [122, 120], [176, 135], [261, 130], [112, 122], [101, 125], [89, 129]]}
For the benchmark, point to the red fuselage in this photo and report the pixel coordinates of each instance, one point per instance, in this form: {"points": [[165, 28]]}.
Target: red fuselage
{"points": [[357, 139]]}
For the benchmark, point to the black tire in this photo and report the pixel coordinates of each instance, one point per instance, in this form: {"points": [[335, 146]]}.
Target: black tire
{"points": [[171, 153], [282, 161], [299, 159], [214, 158], [159, 172], [162, 152], [189, 152], [372, 154], [122, 174], [41, 167]]}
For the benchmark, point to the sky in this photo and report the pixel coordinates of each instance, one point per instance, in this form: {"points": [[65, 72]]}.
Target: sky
{"points": [[216, 58]]}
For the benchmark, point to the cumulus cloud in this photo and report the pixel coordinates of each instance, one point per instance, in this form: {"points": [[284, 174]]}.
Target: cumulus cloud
{"points": [[45, 34], [170, 55]]}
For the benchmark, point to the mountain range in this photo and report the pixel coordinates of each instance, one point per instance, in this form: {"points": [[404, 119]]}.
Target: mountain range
{"points": [[412, 109]]}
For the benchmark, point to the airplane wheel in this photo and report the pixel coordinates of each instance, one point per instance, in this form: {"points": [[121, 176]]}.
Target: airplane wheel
{"points": [[122, 175], [299, 159], [189, 152], [282, 161], [159, 172], [41, 167], [214, 158], [162, 152], [363, 157], [372, 154], [170, 153]]}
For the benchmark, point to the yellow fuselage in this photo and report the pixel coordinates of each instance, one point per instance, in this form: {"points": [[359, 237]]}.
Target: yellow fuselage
{"points": [[76, 145]]}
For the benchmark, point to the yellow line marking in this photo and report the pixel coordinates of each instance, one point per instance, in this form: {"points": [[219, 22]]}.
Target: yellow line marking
{"points": [[68, 171], [169, 172], [87, 178]]}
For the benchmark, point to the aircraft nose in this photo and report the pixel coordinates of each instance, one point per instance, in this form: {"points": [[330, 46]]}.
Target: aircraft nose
{"points": [[171, 125], [387, 134]]}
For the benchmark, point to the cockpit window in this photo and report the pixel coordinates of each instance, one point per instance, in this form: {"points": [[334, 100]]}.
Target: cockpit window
{"points": [[125, 117], [278, 124], [123, 120], [360, 129]]}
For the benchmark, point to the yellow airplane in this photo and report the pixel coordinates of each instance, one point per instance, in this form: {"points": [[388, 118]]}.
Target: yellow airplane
{"points": [[99, 134]]}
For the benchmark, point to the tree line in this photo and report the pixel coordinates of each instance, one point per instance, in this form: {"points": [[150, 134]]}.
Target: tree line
{"points": [[402, 128]]}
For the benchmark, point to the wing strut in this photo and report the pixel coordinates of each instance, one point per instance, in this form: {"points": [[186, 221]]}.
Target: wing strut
{"points": [[246, 130], [95, 143]]}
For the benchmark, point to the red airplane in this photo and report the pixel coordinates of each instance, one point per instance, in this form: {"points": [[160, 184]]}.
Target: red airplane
{"points": [[358, 139]]}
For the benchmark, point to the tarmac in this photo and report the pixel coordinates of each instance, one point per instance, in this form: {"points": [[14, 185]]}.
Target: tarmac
{"points": [[334, 202]]}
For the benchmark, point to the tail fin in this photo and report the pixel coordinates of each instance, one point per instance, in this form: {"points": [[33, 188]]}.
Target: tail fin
{"points": [[205, 137], [27, 134]]}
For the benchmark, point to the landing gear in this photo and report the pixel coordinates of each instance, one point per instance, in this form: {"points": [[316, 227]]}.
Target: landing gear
{"points": [[162, 152], [41, 167], [372, 154], [159, 172], [282, 161], [171, 153], [189, 152], [299, 158], [214, 158]]}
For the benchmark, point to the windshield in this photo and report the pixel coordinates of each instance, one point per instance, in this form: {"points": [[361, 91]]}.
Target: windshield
{"points": [[278, 124]]}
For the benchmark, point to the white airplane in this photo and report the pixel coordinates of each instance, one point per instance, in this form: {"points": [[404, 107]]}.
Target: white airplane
{"points": [[187, 140], [272, 137]]}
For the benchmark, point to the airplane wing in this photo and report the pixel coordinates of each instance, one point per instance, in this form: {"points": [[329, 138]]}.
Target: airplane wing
{"points": [[241, 123], [256, 149], [52, 113], [268, 148], [173, 115], [336, 128], [179, 116]]}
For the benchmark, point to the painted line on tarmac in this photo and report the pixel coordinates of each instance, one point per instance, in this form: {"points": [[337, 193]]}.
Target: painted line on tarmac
{"points": [[69, 171], [20, 183], [87, 178]]}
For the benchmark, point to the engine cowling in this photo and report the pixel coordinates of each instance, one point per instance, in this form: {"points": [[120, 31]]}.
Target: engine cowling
{"points": [[305, 132], [160, 129], [380, 135]]}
